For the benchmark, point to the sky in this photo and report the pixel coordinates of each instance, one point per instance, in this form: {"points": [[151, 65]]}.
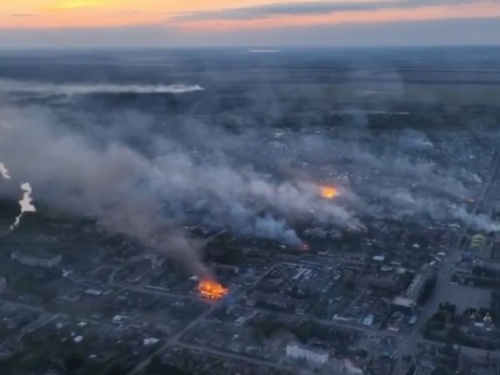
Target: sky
{"points": [[262, 23]]}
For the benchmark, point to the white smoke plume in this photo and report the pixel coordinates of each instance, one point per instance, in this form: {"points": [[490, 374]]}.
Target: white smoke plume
{"points": [[26, 204], [4, 171], [85, 89], [26, 201]]}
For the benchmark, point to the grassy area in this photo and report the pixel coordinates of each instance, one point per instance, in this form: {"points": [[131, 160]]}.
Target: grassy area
{"points": [[453, 94]]}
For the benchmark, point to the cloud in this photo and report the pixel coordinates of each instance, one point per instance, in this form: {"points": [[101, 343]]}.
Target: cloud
{"points": [[117, 37], [310, 8], [473, 31]]}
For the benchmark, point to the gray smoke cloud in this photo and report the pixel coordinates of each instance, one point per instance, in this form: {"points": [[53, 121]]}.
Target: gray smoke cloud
{"points": [[148, 197], [205, 177], [74, 176]]}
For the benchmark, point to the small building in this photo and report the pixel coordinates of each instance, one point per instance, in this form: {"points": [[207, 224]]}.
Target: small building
{"points": [[225, 269], [368, 320], [278, 300], [93, 292], [241, 321], [417, 285], [403, 305], [478, 242], [72, 295], [302, 307], [40, 260], [155, 258], [463, 269], [313, 356], [253, 298], [395, 321], [382, 282]]}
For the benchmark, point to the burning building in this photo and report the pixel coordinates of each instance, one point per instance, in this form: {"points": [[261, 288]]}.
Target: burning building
{"points": [[211, 289], [328, 192], [303, 247]]}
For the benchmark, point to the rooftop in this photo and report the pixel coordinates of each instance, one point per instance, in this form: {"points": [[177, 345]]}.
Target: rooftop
{"points": [[403, 301]]}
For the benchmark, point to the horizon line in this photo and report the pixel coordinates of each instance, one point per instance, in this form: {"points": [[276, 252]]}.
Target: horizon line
{"points": [[277, 48]]}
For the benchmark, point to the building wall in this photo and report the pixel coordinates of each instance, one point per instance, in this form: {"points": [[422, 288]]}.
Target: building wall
{"points": [[36, 261], [310, 355], [3, 283]]}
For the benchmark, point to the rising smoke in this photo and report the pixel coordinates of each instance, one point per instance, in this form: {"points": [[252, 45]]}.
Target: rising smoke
{"points": [[26, 201], [203, 176], [147, 197], [86, 89], [4, 171], [26, 204]]}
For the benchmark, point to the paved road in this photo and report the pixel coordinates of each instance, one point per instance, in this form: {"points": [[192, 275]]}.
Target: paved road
{"points": [[441, 293], [410, 342], [23, 305], [153, 291], [174, 341], [334, 323], [234, 356]]}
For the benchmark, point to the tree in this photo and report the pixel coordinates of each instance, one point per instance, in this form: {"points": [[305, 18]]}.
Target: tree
{"points": [[350, 285], [155, 363], [482, 311], [268, 326], [74, 361], [116, 369], [454, 334], [303, 332], [452, 308], [439, 370]]}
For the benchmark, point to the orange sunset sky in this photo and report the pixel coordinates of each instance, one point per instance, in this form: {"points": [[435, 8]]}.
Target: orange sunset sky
{"points": [[252, 22]]}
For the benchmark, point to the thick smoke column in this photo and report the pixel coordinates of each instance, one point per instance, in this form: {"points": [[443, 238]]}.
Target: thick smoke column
{"points": [[72, 175]]}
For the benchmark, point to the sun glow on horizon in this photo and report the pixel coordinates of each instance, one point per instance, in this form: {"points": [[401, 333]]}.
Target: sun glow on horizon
{"points": [[221, 16], [74, 4]]}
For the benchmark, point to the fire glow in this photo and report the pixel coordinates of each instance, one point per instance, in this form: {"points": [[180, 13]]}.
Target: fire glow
{"points": [[211, 289], [328, 192]]}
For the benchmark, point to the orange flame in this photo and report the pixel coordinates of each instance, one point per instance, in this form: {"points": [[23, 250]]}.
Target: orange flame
{"points": [[211, 289], [328, 192]]}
